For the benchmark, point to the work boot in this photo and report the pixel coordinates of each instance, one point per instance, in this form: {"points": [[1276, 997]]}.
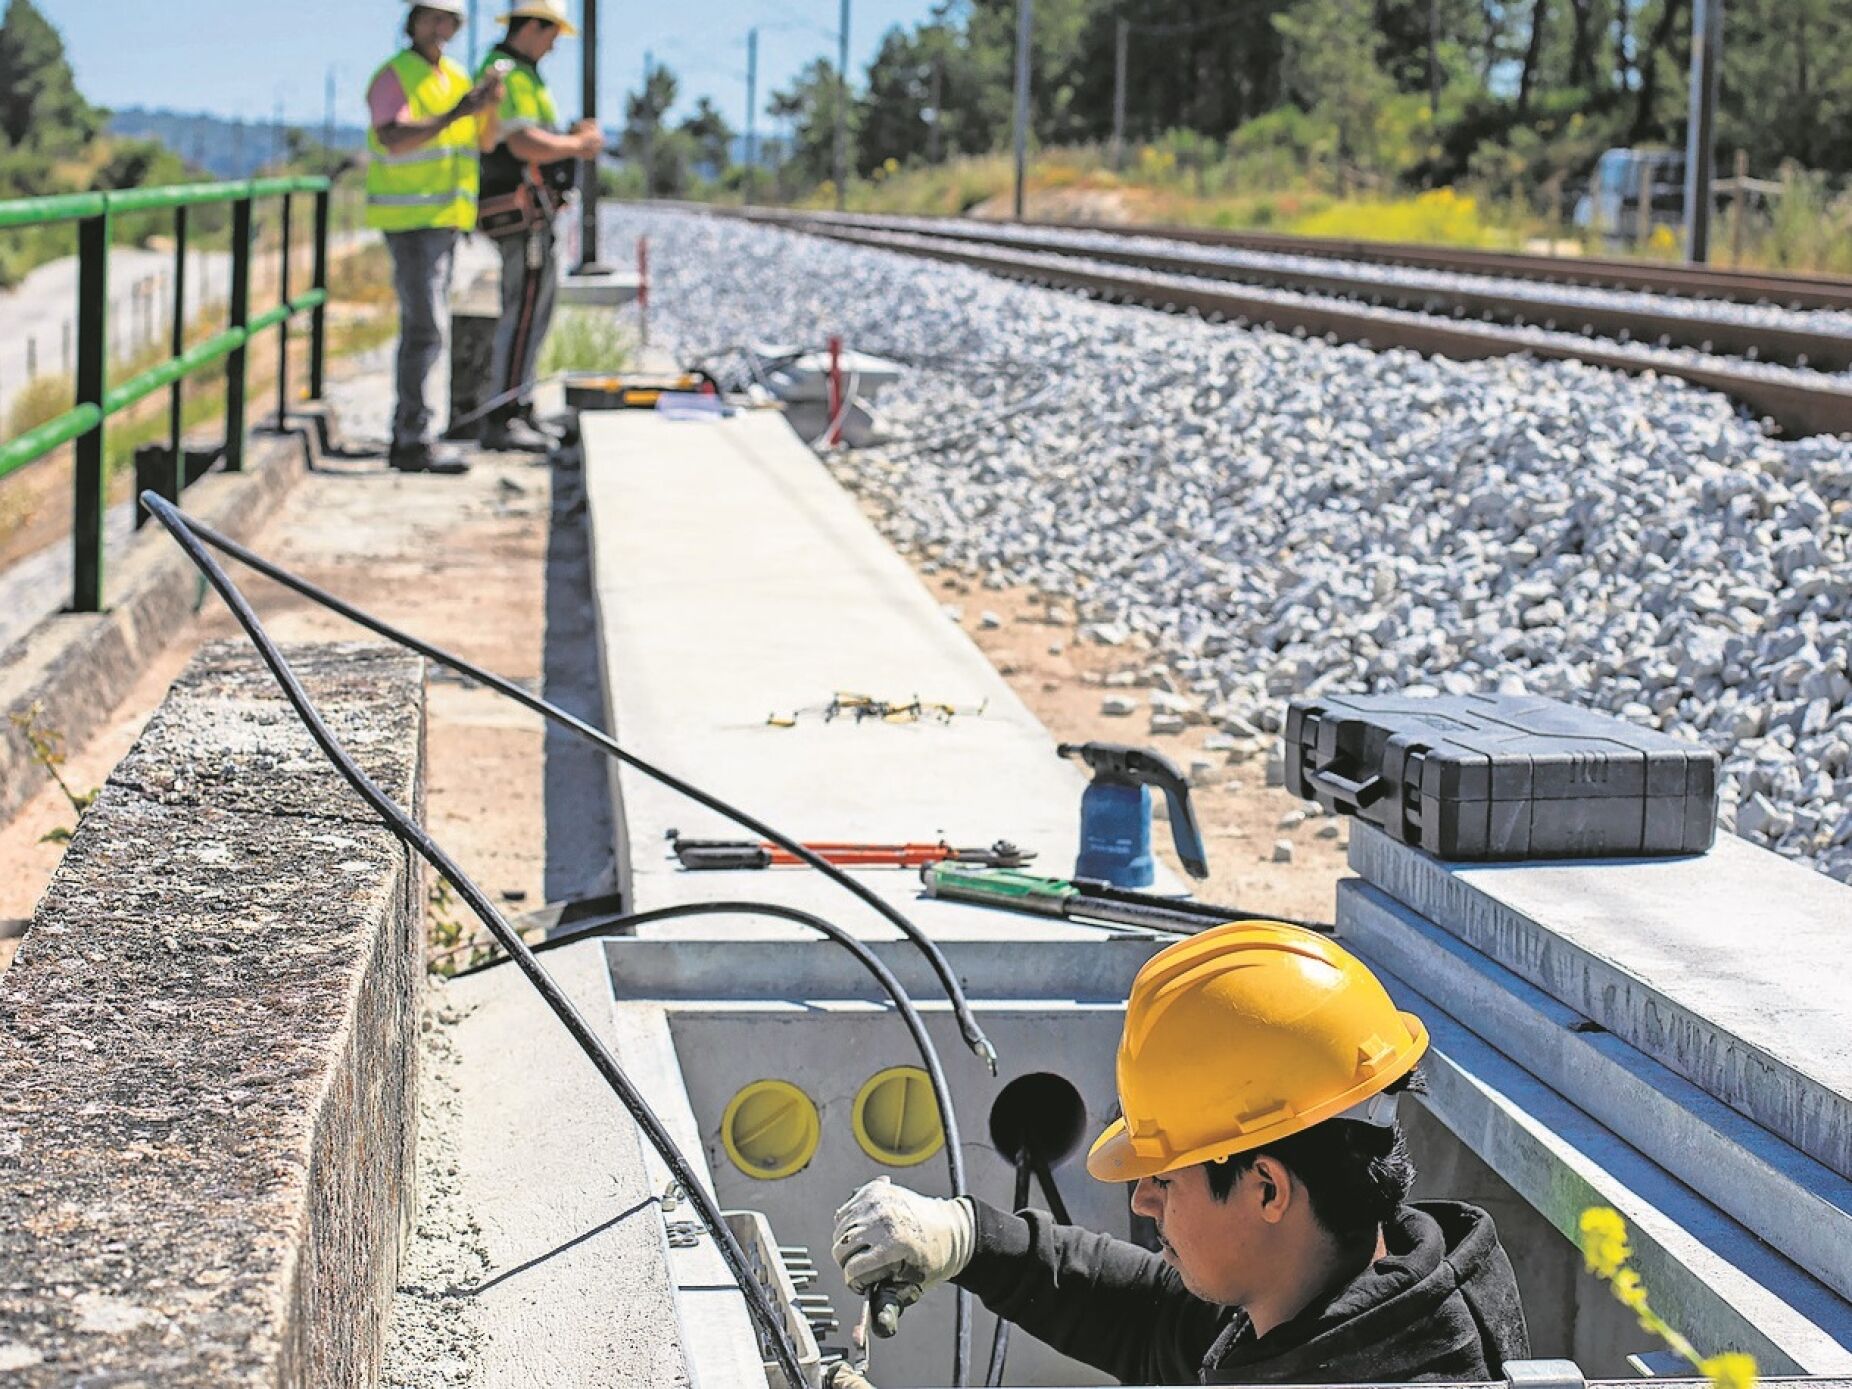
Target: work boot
{"points": [[515, 435], [426, 458]]}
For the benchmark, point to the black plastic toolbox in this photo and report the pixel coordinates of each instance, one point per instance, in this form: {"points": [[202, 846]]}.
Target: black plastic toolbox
{"points": [[1505, 777]]}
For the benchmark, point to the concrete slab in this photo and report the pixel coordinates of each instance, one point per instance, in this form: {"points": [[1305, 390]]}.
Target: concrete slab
{"points": [[1708, 1276], [552, 1171], [207, 1080], [1729, 968], [736, 579], [599, 289], [1799, 1206]]}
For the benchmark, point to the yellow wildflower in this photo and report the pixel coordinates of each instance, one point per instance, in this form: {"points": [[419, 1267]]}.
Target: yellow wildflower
{"points": [[1604, 1241], [1731, 1370]]}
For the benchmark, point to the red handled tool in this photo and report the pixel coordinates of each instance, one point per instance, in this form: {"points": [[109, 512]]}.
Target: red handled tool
{"points": [[748, 853]]}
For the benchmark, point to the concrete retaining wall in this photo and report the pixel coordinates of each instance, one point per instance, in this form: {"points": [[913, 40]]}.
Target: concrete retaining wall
{"points": [[77, 666], [207, 1047]]}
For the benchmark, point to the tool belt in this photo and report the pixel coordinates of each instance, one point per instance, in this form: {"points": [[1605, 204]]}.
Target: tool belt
{"points": [[530, 207]]}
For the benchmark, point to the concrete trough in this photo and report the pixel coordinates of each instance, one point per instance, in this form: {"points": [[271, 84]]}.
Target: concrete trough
{"points": [[735, 579], [1794, 1203], [1728, 968]]}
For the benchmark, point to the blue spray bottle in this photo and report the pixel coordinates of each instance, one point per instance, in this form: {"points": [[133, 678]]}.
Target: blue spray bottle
{"points": [[1115, 814]]}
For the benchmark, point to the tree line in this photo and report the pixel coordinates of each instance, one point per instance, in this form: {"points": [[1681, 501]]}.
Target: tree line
{"points": [[1419, 93]]}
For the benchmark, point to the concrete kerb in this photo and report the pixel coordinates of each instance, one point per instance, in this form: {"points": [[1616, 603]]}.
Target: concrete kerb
{"points": [[76, 667], [187, 1198], [1710, 1277], [1796, 1204]]}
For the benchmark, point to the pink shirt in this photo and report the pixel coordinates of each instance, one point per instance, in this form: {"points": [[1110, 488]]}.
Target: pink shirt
{"points": [[386, 98]]}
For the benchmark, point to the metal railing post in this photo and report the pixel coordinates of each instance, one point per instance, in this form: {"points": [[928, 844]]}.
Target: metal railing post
{"points": [[177, 477], [318, 320], [283, 327], [240, 318], [92, 386]]}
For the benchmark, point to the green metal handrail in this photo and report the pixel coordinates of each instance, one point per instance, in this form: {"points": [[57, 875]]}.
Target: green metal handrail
{"points": [[86, 422]]}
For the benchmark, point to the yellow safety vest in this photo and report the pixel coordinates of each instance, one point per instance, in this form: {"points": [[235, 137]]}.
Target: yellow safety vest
{"points": [[435, 184]]}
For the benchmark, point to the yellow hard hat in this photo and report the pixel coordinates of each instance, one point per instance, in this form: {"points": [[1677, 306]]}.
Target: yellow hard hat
{"points": [[1244, 1034], [553, 11]]}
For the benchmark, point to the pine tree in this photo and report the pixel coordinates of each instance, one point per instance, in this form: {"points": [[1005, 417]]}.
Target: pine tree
{"points": [[40, 106]]}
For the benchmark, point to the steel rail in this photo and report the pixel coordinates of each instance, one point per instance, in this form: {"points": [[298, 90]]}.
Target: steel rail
{"points": [[1820, 350], [1783, 288], [1795, 406]]}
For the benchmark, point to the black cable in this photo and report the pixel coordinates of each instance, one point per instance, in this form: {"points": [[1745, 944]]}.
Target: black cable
{"points": [[929, 1054], [954, 992], [1046, 1180], [758, 1302], [1000, 1338]]}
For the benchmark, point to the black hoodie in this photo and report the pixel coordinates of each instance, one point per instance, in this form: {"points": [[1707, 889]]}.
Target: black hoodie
{"points": [[1442, 1304]]}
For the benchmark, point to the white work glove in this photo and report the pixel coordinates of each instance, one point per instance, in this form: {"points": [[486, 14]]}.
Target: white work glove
{"points": [[887, 1234]]}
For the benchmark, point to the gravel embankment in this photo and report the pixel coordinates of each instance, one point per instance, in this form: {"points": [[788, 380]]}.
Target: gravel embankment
{"points": [[1277, 516]]}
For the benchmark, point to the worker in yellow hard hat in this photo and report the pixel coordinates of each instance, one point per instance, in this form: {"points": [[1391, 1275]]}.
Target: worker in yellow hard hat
{"points": [[1258, 1076], [526, 178], [428, 125]]}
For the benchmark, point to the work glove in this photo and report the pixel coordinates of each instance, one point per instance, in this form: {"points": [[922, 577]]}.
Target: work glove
{"points": [[843, 1375], [887, 1234]]}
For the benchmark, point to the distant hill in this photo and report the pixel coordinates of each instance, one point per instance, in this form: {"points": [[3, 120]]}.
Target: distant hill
{"points": [[226, 149]]}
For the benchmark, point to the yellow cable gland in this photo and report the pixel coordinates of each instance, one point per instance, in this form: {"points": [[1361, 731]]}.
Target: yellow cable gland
{"points": [[770, 1129], [896, 1118]]}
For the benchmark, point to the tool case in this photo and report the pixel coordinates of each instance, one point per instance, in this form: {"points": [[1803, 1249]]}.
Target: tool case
{"points": [[1506, 777]]}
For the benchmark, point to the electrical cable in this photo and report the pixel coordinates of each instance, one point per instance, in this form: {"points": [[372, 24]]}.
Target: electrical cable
{"points": [[926, 442], [968, 1026], [929, 1054], [842, 410], [758, 1301], [1046, 1180], [1000, 1337]]}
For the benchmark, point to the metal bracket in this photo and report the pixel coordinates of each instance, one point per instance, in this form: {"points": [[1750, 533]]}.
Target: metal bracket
{"points": [[1544, 1374]]}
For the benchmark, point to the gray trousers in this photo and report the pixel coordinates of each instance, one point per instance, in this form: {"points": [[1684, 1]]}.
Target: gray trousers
{"points": [[421, 266], [530, 280]]}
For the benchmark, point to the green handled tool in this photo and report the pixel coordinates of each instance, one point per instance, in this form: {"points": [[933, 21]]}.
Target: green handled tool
{"points": [[1086, 900]]}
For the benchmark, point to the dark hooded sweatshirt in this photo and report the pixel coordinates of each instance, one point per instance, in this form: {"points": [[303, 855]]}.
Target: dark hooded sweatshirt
{"points": [[1442, 1304]]}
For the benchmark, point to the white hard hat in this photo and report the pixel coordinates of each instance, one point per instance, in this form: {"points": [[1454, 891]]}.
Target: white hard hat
{"points": [[459, 8], [553, 11]]}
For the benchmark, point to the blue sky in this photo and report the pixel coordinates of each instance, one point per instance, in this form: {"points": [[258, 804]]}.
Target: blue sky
{"points": [[241, 57]]}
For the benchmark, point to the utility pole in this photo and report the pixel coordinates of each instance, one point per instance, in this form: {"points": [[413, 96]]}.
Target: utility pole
{"points": [[1701, 128], [1433, 57], [276, 136], [935, 136], [328, 112], [649, 127], [588, 169], [474, 53], [1120, 52], [1025, 28], [842, 110], [752, 111]]}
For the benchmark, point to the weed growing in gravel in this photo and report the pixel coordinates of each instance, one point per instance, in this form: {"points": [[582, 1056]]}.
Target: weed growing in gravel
{"points": [[46, 745]]}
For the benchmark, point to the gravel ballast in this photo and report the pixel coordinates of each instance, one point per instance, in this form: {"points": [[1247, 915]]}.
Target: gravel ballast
{"points": [[1276, 516]]}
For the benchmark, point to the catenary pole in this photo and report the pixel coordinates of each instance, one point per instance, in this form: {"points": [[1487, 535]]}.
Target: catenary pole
{"points": [[588, 169], [1701, 129], [1121, 46], [649, 127], [842, 110], [752, 111], [1025, 27]]}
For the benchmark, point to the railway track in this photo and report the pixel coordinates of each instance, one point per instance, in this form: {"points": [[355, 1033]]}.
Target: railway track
{"points": [[1429, 320]]}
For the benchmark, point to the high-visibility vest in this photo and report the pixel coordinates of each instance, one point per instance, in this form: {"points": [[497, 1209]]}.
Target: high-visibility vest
{"points": [[435, 184]]}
